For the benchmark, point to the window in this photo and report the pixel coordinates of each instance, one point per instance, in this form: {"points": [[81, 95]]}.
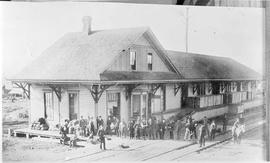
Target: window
{"points": [[150, 61], [202, 89], [133, 60], [48, 105]]}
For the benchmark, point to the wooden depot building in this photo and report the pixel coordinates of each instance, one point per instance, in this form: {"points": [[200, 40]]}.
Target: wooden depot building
{"points": [[127, 73]]}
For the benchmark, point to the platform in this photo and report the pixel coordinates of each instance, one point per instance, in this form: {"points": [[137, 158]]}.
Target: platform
{"points": [[40, 133]]}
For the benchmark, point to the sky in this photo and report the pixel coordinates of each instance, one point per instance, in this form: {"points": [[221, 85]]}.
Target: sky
{"points": [[27, 29]]}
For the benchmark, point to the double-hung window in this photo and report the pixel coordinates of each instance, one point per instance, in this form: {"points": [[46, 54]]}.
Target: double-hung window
{"points": [[133, 60], [150, 61]]}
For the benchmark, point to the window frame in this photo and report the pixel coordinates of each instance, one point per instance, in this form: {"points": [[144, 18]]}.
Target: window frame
{"points": [[46, 108], [133, 66], [150, 65]]}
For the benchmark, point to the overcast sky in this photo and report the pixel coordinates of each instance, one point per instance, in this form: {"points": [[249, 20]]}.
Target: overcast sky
{"points": [[27, 29]]}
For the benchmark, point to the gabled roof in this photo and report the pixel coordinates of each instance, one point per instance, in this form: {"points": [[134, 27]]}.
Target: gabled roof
{"points": [[82, 57], [197, 66], [78, 56]]}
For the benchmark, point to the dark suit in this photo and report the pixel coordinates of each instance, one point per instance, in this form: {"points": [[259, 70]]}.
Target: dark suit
{"points": [[101, 134]]}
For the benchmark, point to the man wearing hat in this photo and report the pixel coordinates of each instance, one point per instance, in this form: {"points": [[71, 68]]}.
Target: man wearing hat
{"points": [[101, 134]]}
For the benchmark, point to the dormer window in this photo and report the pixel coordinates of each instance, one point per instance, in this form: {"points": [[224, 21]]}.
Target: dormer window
{"points": [[133, 60], [150, 61]]}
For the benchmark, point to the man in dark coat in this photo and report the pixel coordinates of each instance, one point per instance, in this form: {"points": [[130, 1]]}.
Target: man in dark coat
{"points": [[162, 127], [225, 123], [202, 134], [150, 129], [101, 134], [171, 128], [131, 129], [155, 128]]}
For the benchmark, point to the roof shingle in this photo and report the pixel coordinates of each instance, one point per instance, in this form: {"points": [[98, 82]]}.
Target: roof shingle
{"points": [[197, 66]]}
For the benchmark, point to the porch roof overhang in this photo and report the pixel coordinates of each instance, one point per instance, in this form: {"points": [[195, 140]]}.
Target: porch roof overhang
{"points": [[119, 82]]}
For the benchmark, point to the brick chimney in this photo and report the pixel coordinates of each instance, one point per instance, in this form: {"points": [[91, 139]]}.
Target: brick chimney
{"points": [[87, 25]]}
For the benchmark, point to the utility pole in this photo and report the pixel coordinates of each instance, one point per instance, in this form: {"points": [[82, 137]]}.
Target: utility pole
{"points": [[187, 29], [267, 75]]}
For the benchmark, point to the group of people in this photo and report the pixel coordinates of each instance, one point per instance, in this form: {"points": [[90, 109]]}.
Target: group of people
{"points": [[150, 129], [83, 127], [142, 128]]}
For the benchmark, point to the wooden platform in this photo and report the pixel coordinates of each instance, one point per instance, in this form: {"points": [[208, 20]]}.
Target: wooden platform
{"points": [[39, 133]]}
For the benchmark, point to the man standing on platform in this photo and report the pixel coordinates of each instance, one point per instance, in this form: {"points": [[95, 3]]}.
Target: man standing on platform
{"points": [[101, 134], [225, 122], [202, 134]]}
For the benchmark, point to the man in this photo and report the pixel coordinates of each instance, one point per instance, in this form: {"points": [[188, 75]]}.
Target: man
{"points": [[235, 125], [171, 128], [137, 128], [212, 130], [122, 127], [150, 129], [143, 128], [205, 120], [131, 129], [82, 124], [155, 128], [101, 134], [187, 130], [64, 132], [193, 132], [162, 128], [91, 127], [202, 134], [100, 121], [108, 128], [178, 126], [116, 126], [225, 121]]}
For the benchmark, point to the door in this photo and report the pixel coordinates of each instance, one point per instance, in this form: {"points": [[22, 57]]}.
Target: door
{"points": [[140, 106], [48, 105], [144, 112], [113, 105], [73, 106], [136, 105]]}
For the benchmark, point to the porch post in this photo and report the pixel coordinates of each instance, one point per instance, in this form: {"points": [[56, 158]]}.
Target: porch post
{"points": [[96, 92], [141, 108], [96, 109]]}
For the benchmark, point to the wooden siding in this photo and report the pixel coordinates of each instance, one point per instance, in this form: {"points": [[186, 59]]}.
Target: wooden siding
{"points": [[36, 104], [142, 48], [172, 101], [205, 101]]}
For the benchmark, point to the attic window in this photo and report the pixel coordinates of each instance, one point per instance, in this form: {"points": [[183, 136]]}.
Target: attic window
{"points": [[133, 60], [150, 61]]}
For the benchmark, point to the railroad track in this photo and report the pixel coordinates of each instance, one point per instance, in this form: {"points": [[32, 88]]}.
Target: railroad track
{"points": [[113, 149], [174, 154]]}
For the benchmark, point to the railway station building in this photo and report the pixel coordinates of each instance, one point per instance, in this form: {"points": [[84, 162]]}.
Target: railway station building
{"points": [[127, 73]]}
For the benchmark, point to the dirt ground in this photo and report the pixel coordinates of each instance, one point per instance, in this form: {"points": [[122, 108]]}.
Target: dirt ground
{"points": [[251, 149], [46, 149], [35, 149], [14, 114]]}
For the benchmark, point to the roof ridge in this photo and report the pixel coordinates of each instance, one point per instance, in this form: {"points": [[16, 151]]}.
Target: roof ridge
{"points": [[123, 28]]}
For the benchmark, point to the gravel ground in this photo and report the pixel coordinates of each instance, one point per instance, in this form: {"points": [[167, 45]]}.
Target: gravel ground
{"points": [[250, 149]]}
